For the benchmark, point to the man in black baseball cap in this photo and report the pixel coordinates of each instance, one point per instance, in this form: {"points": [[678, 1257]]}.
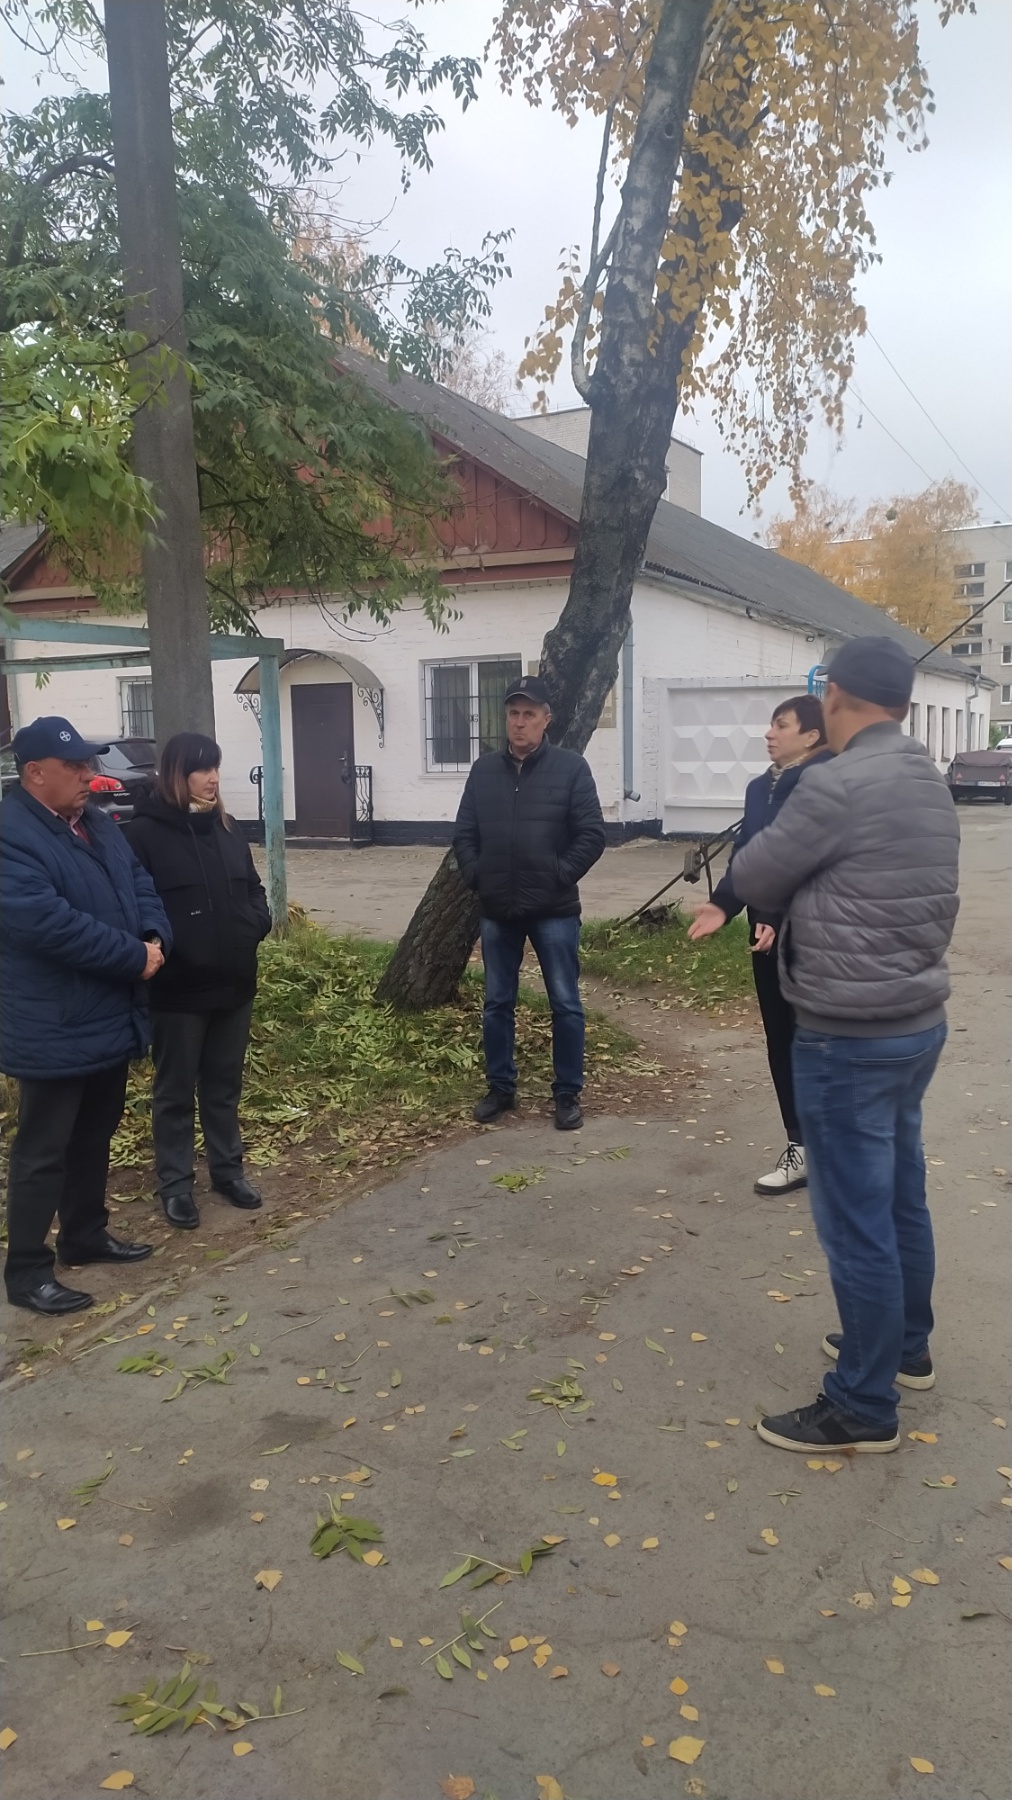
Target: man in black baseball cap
{"points": [[81, 929], [528, 829]]}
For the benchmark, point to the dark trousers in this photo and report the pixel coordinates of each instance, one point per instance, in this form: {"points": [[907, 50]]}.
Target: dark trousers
{"points": [[197, 1056], [778, 1024], [556, 944], [860, 1100], [59, 1164]]}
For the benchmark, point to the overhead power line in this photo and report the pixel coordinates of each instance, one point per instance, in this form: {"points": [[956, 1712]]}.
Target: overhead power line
{"points": [[889, 434], [1004, 510]]}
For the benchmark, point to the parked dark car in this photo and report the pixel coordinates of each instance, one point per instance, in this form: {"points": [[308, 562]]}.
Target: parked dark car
{"points": [[128, 764], [983, 774]]}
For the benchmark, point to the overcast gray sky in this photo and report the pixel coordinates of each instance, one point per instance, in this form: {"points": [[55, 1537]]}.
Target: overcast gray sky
{"points": [[938, 305]]}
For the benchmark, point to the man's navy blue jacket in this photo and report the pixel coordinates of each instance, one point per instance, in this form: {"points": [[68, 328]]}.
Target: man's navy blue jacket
{"points": [[763, 799], [527, 832], [72, 919]]}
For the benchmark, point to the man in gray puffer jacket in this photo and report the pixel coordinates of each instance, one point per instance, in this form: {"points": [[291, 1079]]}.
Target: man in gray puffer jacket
{"points": [[864, 859]]}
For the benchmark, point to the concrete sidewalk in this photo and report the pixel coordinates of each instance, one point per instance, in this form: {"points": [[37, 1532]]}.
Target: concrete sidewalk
{"points": [[638, 1262]]}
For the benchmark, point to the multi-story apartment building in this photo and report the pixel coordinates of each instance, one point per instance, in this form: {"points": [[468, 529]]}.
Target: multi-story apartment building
{"points": [[981, 565]]}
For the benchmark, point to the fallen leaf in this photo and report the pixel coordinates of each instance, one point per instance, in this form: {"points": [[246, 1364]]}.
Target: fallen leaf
{"points": [[373, 1558], [126, 1539], [690, 1712], [550, 1788], [65, 1524], [7, 1738], [612, 1538], [142, 1330], [242, 1749], [1003, 1423], [864, 1600], [926, 1577], [768, 1535], [945, 1481], [922, 1765], [268, 1578], [899, 1585], [826, 1693], [346, 1422], [500, 1662], [686, 1749], [713, 1443], [826, 1612], [94, 1625], [116, 1639], [923, 1437], [650, 1543], [557, 1673], [119, 1779], [300, 1381], [23, 1455], [678, 1686], [457, 1787], [351, 1663], [648, 1742], [260, 1485], [258, 1518], [606, 1337], [1005, 1562], [603, 1480], [677, 1629], [901, 1599], [611, 1669], [518, 1643], [695, 1337]]}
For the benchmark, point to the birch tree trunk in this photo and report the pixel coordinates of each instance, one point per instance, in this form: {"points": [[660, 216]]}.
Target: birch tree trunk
{"points": [[633, 400]]}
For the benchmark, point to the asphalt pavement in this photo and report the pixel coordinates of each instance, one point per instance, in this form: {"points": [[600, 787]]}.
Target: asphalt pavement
{"points": [[709, 1615]]}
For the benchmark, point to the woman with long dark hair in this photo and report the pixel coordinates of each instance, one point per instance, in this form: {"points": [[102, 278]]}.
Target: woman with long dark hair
{"points": [[796, 738], [202, 1000]]}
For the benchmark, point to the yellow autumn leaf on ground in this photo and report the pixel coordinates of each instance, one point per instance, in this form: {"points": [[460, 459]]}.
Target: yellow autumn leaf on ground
{"points": [[126, 1539], [603, 1480], [611, 1669], [686, 1749], [768, 1535], [242, 1749], [518, 1643], [922, 1765], [774, 1665], [677, 1629], [7, 1738], [864, 1600], [118, 1780], [826, 1612], [650, 1543], [558, 1672], [94, 1625], [344, 1426], [142, 1330], [116, 1639], [611, 1539], [300, 1381], [696, 1337], [457, 1787], [260, 1485], [550, 1788], [607, 1337], [373, 1558], [926, 1577], [1005, 1562], [923, 1437], [678, 1686], [500, 1662], [902, 1599], [258, 1517], [23, 1455], [690, 1712], [268, 1578], [553, 1538], [648, 1742], [826, 1693], [542, 1655], [65, 1524], [900, 1585]]}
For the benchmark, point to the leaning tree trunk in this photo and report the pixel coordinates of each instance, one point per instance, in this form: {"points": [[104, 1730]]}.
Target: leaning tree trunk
{"points": [[633, 402]]}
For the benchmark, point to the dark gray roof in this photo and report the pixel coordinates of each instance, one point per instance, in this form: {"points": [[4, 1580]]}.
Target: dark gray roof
{"points": [[682, 546], [14, 541]]}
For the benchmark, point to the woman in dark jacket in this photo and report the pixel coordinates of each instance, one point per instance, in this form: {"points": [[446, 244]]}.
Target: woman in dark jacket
{"points": [[796, 737], [202, 1000]]}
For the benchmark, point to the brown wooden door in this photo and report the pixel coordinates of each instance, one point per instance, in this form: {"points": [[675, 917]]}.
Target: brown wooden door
{"points": [[323, 742]]}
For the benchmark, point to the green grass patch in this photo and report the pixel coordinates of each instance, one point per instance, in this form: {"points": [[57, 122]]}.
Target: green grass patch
{"points": [[706, 974], [326, 1062]]}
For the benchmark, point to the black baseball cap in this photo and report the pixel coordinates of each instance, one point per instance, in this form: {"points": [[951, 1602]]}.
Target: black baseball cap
{"points": [[53, 737], [529, 687], [874, 668]]}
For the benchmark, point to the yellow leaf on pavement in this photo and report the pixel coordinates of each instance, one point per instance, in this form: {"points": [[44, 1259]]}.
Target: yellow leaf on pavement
{"points": [[923, 1437], [611, 1669], [457, 1787], [678, 1686], [242, 1749], [7, 1738], [690, 1712], [695, 1337], [648, 1742], [686, 1749], [826, 1693], [118, 1780], [500, 1662], [65, 1524], [1005, 1562], [268, 1578], [774, 1665], [899, 1585], [126, 1539], [550, 1788], [116, 1639], [611, 1539], [373, 1558], [926, 1577], [94, 1625], [650, 1543], [518, 1643], [23, 1455], [922, 1765], [769, 1536], [677, 1629], [558, 1672], [260, 1485], [603, 1480], [902, 1599], [864, 1600]]}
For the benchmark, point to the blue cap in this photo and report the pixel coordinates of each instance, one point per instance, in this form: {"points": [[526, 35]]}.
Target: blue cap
{"points": [[53, 737]]}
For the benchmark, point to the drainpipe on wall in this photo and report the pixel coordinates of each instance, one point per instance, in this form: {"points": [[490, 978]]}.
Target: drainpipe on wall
{"points": [[628, 768]]}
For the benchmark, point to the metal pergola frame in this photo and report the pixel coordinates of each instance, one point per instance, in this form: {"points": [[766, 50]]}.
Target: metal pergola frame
{"points": [[129, 649]]}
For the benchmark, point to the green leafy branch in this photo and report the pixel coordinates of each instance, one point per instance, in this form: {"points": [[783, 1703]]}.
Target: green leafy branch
{"points": [[340, 1532]]}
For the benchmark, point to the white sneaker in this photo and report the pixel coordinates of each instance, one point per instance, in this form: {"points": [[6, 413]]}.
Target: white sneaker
{"points": [[788, 1174]]}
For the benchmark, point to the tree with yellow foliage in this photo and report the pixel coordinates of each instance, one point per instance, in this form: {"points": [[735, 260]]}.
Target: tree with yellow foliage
{"points": [[749, 137], [897, 554]]}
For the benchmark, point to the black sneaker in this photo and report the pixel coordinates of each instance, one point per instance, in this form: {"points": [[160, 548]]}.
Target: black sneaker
{"points": [[825, 1426], [568, 1116], [918, 1374], [496, 1101]]}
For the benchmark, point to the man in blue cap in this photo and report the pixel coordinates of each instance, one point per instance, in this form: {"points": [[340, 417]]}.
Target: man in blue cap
{"points": [[864, 861], [81, 928]]}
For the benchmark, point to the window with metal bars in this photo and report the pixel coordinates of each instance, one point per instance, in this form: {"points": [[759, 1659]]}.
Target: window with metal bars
{"points": [[464, 710], [136, 709]]}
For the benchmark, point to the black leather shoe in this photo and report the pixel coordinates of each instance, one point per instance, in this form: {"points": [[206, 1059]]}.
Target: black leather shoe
{"points": [[181, 1211], [239, 1193], [496, 1101], [50, 1296], [105, 1248], [568, 1116]]}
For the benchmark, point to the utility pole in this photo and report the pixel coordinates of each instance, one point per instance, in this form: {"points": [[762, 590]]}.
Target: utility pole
{"points": [[173, 561]]}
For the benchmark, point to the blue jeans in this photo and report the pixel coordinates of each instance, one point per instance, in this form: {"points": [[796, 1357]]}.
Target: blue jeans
{"points": [[556, 944], [859, 1101]]}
